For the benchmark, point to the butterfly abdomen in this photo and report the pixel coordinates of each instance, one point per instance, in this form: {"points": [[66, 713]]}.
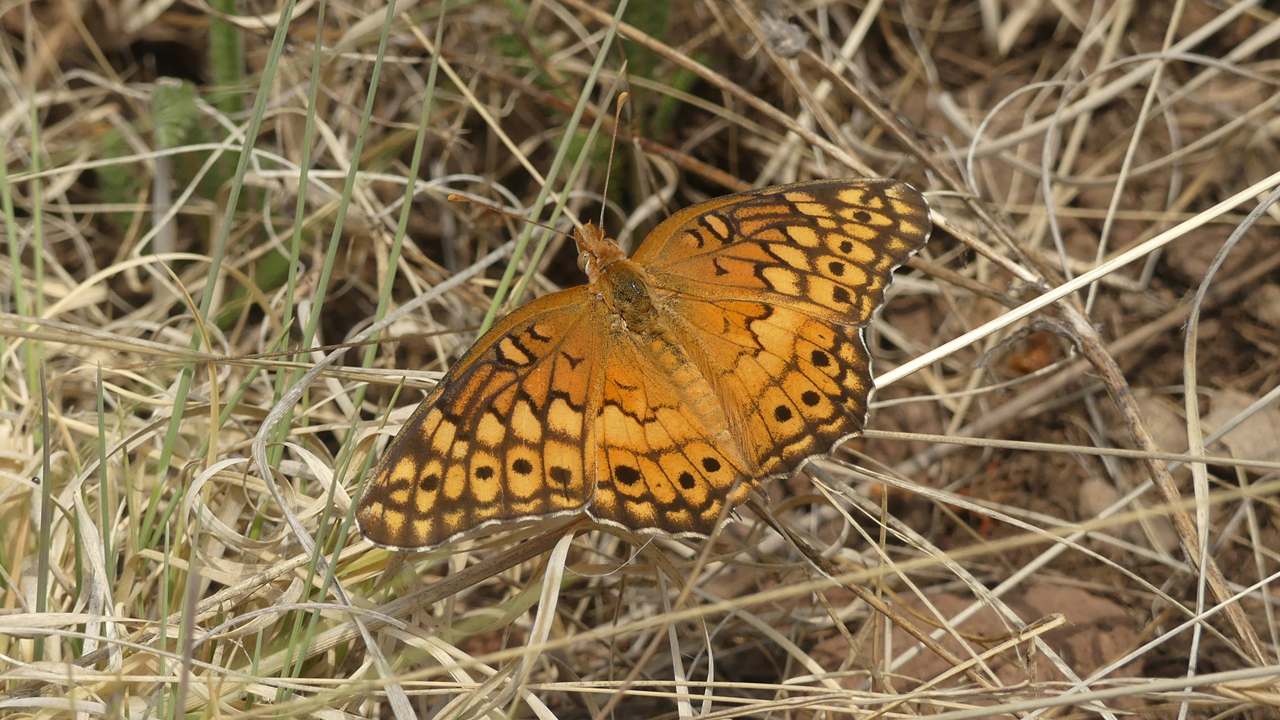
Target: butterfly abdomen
{"points": [[629, 295]]}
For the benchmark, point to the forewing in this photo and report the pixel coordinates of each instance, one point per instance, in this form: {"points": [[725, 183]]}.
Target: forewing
{"points": [[502, 436], [826, 248], [770, 291]]}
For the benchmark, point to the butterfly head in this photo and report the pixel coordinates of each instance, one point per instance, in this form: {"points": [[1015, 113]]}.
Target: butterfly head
{"points": [[595, 251]]}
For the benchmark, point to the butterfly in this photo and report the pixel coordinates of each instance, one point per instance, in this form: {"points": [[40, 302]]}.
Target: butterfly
{"points": [[727, 351]]}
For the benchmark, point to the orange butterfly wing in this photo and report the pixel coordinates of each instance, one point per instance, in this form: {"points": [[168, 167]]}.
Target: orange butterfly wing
{"points": [[771, 290], [501, 437]]}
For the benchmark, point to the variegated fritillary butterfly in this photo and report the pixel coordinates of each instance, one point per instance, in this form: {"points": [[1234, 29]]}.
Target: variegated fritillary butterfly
{"points": [[728, 350]]}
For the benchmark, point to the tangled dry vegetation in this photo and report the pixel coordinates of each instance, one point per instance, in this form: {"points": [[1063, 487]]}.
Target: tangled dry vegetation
{"points": [[1041, 518]]}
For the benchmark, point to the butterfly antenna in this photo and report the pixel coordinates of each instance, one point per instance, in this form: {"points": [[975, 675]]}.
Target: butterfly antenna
{"points": [[454, 197], [617, 118]]}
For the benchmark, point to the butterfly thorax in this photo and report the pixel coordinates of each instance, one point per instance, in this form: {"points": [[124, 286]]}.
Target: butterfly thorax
{"points": [[627, 294], [622, 285]]}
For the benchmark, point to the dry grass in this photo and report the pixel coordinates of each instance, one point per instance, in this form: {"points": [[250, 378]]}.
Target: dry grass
{"points": [[175, 492]]}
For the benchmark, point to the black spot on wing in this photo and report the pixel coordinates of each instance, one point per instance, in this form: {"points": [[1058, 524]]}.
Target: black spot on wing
{"points": [[626, 475], [560, 475]]}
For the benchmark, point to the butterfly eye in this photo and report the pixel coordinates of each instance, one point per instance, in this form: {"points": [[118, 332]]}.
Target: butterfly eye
{"points": [[584, 261]]}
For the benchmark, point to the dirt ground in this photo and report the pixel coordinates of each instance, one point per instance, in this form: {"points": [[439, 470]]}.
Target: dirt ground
{"points": [[1064, 501]]}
